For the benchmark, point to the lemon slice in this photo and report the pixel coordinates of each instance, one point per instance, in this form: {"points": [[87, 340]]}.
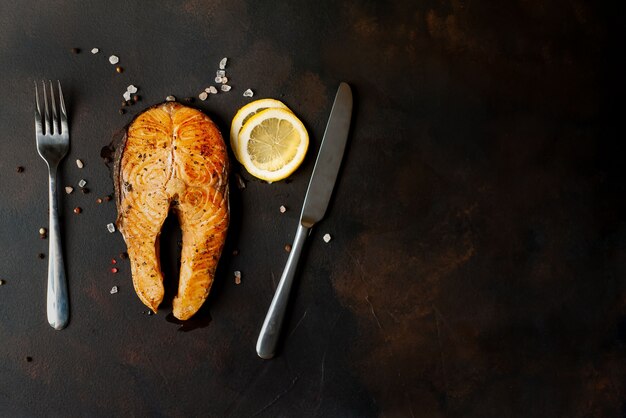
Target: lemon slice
{"points": [[245, 113], [272, 144]]}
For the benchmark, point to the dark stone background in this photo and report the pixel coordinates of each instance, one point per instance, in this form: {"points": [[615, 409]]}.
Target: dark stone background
{"points": [[478, 260]]}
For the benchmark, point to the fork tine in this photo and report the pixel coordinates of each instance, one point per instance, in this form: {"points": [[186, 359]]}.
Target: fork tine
{"points": [[56, 129], [38, 125], [46, 110], [62, 107]]}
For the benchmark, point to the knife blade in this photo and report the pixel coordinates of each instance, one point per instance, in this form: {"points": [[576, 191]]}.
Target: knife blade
{"points": [[314, 208]]}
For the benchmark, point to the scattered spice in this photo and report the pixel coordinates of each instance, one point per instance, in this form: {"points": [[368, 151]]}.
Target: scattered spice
{"points": [[20, 169], [69, 189], [136, 98], [29, 359], [288, 247], [79, 164], [327, 238], [150, 313], [124, 255], [85, 190], [77, 210], [98, 200], [41, 255], [2, 282], [113, 59], [111, 227], [43, 231], [119, 69], [75, 50], [282, 209], [114, 270], [123, 103], [170, 99], [122, 111], [95, 50], [235, 252], [113, 261], [237, 277], [113, 290], [188, 99], [107, 198], [82, 183], [248, 93]]}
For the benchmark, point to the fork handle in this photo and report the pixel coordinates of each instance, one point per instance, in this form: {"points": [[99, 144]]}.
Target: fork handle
{"points": [[58, 307]]}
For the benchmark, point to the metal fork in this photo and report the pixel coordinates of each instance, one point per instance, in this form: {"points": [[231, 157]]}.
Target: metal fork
{"points": [[53, 142]]}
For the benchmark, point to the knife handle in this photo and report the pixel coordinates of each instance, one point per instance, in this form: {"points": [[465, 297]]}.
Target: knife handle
{"points": [[268, 338]]}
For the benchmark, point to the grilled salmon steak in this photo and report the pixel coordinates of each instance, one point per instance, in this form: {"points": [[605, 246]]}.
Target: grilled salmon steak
{"points": [[172, 157]]}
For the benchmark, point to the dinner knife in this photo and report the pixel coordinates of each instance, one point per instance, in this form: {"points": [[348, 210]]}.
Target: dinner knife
{"points": [[313, 210]]}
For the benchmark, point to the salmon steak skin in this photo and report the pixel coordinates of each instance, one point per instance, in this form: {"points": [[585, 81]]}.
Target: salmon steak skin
{"points": [[172, 157]]}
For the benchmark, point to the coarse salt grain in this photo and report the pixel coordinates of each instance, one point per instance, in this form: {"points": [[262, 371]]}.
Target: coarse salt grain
{"points": [[327, 238], [95, 50], [170, 98], [282, 209], [218, 79], [225, 87], [82, 183], [202, 96], [79, 164], [223, 63], [237, 277], [241, 184], [248, 93], [224, 80], [126, 95], [114, 290], [220, 73], [111, 227], [212, 90], [131, 89], [113, 59], [42, 231], [69, 189]]}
